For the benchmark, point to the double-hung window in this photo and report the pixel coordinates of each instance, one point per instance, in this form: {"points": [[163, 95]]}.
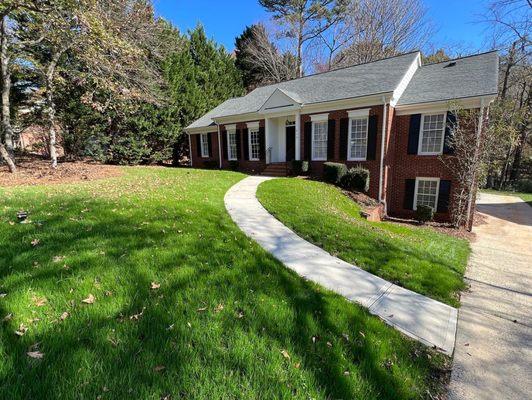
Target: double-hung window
{"points": [[319, 137], [432, 134], [358, 135], [231, 145], [204, 145], [426, 192], [254, 144]]}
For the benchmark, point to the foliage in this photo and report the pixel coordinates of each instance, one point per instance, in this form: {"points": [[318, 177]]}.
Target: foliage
{"points": [[418, 258], [185, 305], [333, 172], [357, 179], [424, 213], [300, 167]]}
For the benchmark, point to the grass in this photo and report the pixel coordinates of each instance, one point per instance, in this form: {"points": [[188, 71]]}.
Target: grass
{"points": [[227, 322], [526, 197], [416, 258]]}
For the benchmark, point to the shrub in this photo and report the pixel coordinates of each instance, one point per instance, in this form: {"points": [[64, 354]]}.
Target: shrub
{"points": [[234, 165], [356, 179], [524, 185], [300, 167], [424, 213], [333, 172], [210, 164]]}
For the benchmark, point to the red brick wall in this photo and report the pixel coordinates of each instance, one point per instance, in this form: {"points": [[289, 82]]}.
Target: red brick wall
{"points": [[202, 162], [409, 166], [371, 165], [251, 167]]}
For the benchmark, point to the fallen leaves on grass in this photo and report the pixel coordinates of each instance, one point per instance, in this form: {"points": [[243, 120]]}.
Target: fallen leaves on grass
{"points": [[35, 242], [285, 354], [22, 329], [201, 309], [8, 317], [64, 316], [159, 368], [57, 259], [35, 354], [136, 317], [155, 286], [218, 308], [39, 301], [89, 300]]}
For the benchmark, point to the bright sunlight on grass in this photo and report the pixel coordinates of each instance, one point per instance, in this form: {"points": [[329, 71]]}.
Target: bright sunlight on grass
{"points": [[526, 197], [419, 259], [183, 304]]}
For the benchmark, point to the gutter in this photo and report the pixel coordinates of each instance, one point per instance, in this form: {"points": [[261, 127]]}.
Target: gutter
{"points": [[190, 149], [383, 140], [219, 145]]}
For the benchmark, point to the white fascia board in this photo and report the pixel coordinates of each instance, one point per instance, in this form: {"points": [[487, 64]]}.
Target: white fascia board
{"points": [[346, 104], [319, 117], [405, 80], [442, 106], [203, 129], [364, 112], [231, 127]]}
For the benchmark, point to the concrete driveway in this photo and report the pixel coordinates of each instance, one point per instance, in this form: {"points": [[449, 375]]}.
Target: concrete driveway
{"points": [[493, 353]]}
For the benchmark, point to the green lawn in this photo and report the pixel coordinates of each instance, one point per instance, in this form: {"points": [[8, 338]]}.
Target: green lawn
{"points": [[527, 197], [227, 322], [417, 258]]}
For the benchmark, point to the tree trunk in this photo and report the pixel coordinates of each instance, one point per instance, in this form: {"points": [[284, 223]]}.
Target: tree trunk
{"points": [[5, 156], [5, 84], [50, 108], [510, 62]]}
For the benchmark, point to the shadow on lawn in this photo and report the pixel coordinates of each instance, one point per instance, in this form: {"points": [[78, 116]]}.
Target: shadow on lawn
{"points": [[103, 350]]}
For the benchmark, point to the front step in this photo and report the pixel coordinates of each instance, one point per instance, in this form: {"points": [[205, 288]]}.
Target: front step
{"points": [[276, 169]]}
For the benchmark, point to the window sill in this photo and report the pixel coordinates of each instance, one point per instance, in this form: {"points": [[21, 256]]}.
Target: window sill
{"points": [[254, 159], [357, 159], [430, 154]]}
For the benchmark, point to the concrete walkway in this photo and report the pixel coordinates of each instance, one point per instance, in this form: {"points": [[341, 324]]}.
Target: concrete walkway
{"points": [[493, 357], [426, 320]]}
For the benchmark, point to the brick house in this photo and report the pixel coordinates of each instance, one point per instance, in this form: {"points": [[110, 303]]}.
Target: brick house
{"points": [[390, 116]]}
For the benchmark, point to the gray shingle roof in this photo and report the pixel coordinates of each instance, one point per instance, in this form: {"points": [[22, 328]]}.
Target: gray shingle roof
{"points": [[356, 81], [470, 76]]}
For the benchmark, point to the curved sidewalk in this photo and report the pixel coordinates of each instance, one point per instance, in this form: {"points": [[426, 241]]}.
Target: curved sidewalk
{"points": [[426, 320]]}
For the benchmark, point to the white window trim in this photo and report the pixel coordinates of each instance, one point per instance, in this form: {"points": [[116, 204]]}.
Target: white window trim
{"points": [[312, 139], [420, 178], [319, 117], [249, 142], [420, 144], [204, 151], [358, 113], [231, 131], [349, 158]]}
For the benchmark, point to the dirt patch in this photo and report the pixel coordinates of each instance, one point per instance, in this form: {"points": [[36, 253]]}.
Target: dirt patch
{"points": [[32, 170], [440, 227]]}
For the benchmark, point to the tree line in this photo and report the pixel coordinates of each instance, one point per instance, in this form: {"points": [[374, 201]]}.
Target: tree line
{"points": [[119, 84]]}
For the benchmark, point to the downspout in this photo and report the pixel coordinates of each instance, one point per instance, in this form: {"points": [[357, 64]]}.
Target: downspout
{"points": [[190, 148], [383, 141], [219, 145]]}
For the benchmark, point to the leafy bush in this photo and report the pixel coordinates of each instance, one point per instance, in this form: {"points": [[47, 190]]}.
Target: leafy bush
{"points": [[234, 165], [300, 167], [356, 179], [424, 213], [210, 164], [524, 185], [333, 172]]}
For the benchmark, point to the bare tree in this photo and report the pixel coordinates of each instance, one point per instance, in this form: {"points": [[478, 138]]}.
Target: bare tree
{"points": [[305, 20], [380, 29]]}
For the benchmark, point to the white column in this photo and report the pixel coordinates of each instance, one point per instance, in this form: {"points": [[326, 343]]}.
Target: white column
{"points": [[298, 135], [267, 133]]}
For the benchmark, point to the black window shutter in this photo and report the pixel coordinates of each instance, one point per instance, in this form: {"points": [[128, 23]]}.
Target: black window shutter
{"points": [[245, 141], [224, 144], [331, 135], [198, 145], [308, 140], [443, 196], [209, 138], [344, 132], [413, 133], [372, 138], [449, 126], [238, 149], [262, 143], [410, 187]]}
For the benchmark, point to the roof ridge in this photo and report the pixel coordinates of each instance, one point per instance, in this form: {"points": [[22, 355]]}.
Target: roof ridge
{"points": [[459, 58], [337, 69]]}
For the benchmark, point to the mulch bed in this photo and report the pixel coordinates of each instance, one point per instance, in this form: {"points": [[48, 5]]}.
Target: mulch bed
{"points": [[34, 170]]}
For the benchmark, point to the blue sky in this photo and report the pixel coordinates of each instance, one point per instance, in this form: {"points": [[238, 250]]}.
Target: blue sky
{"points": [[224, 20]]}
